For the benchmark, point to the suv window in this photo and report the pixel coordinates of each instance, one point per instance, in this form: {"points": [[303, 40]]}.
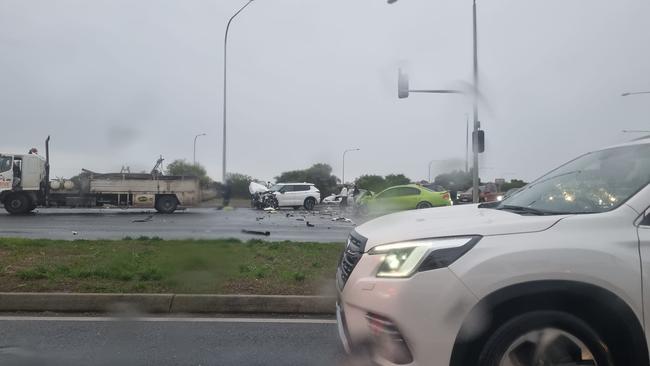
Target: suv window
{"points": [[400, 192], [302, 188], [408, 191]]}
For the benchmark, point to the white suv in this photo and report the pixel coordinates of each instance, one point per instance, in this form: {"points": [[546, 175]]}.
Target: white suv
{"points": [[296, 195], [556, 274]]}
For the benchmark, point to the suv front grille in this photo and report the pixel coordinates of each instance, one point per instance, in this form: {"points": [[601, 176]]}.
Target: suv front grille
{"points": [[353, 252]]}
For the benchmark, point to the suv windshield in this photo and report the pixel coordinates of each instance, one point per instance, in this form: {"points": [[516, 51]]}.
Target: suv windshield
{"points": [[595, 182], [277, 187]]}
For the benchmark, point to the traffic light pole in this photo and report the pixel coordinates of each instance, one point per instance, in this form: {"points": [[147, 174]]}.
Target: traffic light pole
{"points": [[477, 124]]}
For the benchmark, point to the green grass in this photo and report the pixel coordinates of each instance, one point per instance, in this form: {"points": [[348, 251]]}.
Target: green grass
{"points": [[151, 265]]}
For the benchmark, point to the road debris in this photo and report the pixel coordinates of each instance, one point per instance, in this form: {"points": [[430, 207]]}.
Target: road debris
{"points": [[343, 219], [146, 219], [255, 232], [310, 224]]}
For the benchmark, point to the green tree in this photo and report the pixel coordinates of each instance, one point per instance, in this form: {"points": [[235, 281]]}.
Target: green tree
{"points": [[396, 180], [375, 183], [318, 174], [239, 185], [181, 167], [514, 183], [456, 180]]}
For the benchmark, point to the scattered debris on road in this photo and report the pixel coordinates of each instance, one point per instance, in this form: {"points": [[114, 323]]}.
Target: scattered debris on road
{"points": [[255, 232], [310, 224], [146, 219], [344, 219]]}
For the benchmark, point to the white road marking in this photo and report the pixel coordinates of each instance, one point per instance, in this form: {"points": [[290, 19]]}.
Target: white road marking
{"points": [[165, 319]]}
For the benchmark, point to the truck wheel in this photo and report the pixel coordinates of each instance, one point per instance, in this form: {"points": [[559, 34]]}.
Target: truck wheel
{"points": [[166, 204], [18, 204]]}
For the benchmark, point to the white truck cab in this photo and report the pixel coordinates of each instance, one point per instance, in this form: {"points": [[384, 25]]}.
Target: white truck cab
{"points": [[22, 181]]}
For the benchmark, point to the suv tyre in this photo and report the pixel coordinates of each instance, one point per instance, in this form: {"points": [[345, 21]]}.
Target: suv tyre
{"points": [[545, 338]]}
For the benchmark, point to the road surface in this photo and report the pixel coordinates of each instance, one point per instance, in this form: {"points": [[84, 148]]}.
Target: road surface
{"points": [[197, 223], [168, 341]]}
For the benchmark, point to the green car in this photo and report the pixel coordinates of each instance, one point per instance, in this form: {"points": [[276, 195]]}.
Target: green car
{"points": [[400, 198]]}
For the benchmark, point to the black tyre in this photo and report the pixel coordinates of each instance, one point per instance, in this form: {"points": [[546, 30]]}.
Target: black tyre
{"points": [[423, 204], [550, 338], [166, 204], [18, 204], [310, 203]]}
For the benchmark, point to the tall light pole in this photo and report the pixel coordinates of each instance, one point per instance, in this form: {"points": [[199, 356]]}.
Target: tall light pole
{"points": [[225, 85], [431, 162], [466, 143], [634, 93], [403, 92], [343, 172], [196, 137]]}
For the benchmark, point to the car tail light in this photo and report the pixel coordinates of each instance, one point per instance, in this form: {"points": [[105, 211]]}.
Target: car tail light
{"points": [[389, 341], [446, 196]]}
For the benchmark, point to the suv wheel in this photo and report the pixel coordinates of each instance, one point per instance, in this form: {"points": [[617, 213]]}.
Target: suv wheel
{"points": [[545, 338], [310, 203]]}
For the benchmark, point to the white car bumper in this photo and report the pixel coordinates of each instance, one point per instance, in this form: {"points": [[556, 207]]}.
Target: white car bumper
{"points": [[424, 312]]}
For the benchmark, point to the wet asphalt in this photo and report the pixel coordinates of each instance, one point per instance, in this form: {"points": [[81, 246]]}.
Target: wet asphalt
{"points": [[194, 223]]}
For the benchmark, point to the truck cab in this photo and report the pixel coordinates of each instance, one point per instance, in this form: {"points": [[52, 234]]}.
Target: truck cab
{"points": [[22, 181]]}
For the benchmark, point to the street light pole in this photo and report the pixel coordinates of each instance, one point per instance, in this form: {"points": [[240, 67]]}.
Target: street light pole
{"points": [[466, 143], [196, 137], [225, 86], [343, 172], [431, 162]]}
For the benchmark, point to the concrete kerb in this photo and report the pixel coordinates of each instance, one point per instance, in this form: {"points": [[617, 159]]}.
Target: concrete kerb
{"points": [[166, 303]]}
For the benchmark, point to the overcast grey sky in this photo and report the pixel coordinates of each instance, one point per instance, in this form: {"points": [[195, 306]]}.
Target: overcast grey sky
{"points": [[118, 82]]}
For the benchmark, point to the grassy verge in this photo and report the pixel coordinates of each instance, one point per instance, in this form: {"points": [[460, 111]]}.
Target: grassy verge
{"points": [[154, 266]]}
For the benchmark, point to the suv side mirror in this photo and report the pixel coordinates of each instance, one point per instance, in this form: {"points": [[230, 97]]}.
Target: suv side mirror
{"points": [[645, 220]]}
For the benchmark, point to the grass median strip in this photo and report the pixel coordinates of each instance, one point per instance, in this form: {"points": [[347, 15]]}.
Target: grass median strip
{"points": [[151, 265]]}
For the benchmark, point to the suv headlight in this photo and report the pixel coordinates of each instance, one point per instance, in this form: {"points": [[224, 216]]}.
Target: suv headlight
{"points": [[404, 259]]}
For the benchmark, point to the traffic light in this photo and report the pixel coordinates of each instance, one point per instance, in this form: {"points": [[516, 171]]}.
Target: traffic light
{"points": [[479, 140]]}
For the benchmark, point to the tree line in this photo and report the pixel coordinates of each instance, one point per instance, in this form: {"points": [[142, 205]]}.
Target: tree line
{"points": [[322, 177]]}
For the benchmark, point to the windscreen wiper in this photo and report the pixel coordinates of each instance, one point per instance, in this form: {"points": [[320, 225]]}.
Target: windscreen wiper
{"points": [[527, 210]]}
